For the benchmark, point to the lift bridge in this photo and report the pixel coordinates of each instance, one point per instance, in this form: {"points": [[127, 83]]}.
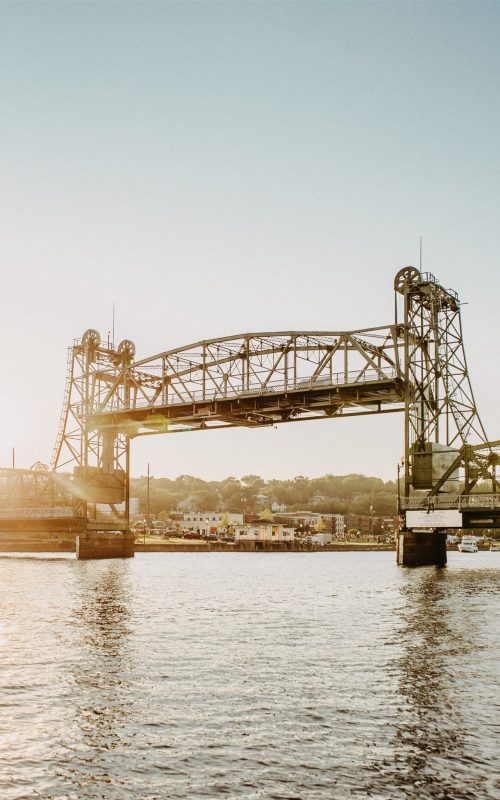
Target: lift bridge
{"points": [[415, 366]]}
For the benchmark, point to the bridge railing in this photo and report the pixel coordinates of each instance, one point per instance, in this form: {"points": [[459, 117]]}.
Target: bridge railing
{"points": [[461, 502], [176, 396], [63, 512], [37, 513]]}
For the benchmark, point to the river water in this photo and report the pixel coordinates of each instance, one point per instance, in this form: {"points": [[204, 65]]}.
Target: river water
{"points": [[266, 675]]}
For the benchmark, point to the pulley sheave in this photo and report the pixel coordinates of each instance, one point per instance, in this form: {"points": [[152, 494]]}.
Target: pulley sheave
{"points": [[91, 337], [408, 276], [126, 349]]}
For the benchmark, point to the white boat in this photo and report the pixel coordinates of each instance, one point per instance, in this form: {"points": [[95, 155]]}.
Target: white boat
{"points": [[468, 545]]}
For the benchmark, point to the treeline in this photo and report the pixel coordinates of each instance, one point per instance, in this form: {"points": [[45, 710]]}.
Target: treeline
{"points": [[337, 494]]}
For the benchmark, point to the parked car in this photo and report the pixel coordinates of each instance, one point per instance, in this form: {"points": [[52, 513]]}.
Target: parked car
{"points": [[193, 535]]}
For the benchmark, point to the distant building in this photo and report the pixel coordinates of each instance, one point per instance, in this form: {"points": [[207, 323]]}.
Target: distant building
{"points": [[368, 524], [359, 522], [198, 520], [303, 518], [263, 531], [334, 523], [389, 524]]}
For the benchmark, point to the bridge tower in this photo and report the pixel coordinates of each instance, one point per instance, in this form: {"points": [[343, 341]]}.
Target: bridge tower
{"points": [[441, 416], [98, 459]]}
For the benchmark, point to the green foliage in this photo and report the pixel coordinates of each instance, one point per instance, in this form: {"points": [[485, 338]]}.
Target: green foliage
{"points": [[253, 481], [329, 494], [225, 522]]}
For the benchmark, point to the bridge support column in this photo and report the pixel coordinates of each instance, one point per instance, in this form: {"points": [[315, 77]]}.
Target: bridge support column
{"points": [[421, 549], [97, 544]]}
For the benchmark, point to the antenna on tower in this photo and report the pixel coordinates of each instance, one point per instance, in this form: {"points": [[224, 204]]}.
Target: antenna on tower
{"points": [[113, 336]]}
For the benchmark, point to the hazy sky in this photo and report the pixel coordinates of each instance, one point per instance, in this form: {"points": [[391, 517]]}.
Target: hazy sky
{"points": [[220, 167]]}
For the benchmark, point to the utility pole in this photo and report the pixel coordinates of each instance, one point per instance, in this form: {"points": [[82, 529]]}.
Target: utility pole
{"points": [[399, 489], [147, 501]]}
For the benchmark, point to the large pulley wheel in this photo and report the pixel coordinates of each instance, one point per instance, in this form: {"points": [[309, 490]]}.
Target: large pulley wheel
{"points": [[408, 276], [91, 337], [126, 349]]}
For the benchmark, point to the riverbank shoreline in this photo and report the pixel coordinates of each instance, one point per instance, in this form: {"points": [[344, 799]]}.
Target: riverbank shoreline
{"points": [[224, 547]]}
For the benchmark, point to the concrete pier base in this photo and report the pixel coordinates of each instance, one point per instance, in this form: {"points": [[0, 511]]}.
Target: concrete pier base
{"points": [[421, 549], [94, 544]]}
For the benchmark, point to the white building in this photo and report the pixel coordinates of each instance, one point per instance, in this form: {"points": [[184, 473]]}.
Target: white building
{"points": [[337, 523], [263, 531], [211, 520]]}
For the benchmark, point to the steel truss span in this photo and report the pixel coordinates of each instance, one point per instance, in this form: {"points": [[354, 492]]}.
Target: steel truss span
{"points": [[248, 380], [255, 379], [416, 365]]}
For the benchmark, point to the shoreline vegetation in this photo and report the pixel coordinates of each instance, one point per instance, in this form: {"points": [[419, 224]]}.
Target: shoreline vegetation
{"points": [[337, 494]]}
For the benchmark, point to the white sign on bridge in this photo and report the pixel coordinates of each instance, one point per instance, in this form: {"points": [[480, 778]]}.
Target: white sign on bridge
{"points": [[441, 518]]}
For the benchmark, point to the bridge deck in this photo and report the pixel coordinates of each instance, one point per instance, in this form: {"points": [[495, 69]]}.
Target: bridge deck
{"points": [[256, 407]]}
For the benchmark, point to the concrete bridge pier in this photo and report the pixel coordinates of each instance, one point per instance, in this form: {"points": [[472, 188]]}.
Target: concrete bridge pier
{"points": [[101, 544], [416, 549]]}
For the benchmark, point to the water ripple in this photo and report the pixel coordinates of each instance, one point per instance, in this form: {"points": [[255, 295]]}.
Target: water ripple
{"points": [[299, 676]]}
